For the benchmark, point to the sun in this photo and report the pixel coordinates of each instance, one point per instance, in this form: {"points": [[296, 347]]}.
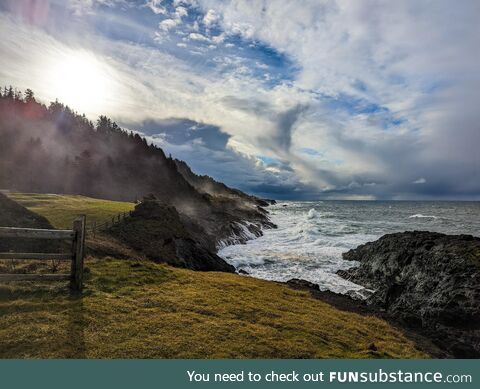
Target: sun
{"points": [[83, 82]]}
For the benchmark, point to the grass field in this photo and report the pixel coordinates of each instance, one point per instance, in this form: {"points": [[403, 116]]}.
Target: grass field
{"points": [[138, 309], [61, 210], [145, 310]]}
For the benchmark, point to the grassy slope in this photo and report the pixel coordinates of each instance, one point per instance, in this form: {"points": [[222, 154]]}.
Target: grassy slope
{"points": [[144, 310], [61, 210]]}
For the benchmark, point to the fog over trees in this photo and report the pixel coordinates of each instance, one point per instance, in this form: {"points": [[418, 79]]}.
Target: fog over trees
{"points": [[54, 149]]}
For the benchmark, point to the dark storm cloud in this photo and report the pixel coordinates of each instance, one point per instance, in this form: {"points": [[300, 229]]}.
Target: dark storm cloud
{"points": [[205, 148]]}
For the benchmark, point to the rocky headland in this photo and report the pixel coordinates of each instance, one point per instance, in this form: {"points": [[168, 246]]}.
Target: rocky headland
{"points": [[428, 281]]}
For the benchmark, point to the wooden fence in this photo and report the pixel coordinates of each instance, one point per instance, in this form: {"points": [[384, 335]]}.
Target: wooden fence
{"points": [[76, 256], [96, 227]]}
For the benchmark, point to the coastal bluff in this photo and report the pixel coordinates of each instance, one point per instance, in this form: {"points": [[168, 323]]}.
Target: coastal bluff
{"points": [[428, 280]]}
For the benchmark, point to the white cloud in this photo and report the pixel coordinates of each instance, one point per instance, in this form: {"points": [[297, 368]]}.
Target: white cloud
{"points": [[87, 7], [174, 20], [180, 12], [420, 181], [198, 37], [156, 6], [167, 24], [210, 18]]}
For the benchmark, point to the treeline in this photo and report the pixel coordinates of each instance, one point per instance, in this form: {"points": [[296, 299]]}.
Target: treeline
{"points": [[54, 149]]}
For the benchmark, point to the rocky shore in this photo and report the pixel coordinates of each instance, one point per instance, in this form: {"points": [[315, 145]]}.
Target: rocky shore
{"points": [[428, 281], [160, 232]]}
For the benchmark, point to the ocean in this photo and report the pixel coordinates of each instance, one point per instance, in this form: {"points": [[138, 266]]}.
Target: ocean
{"points": [[312, 236]]}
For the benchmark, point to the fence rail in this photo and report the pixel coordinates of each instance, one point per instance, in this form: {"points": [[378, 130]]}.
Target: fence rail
{"points": [[97, 227], [37, 256], [33, 233], [76, 235]]}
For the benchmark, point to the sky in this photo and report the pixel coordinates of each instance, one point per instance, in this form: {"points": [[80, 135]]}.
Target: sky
{"points": [[304, 99]]}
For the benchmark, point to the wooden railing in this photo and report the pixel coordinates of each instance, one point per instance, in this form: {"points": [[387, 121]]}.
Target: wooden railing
{"points": [[96, 227], [76, 235]]}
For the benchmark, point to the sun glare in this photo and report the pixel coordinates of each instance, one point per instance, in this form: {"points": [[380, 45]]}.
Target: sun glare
{"points": [[83, 82]]}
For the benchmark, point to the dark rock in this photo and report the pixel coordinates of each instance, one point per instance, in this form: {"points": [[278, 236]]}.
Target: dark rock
{"points": [[241, 271], [222, 210], [158, 232], [428, 280], [298, 283], [269, 202], [193, 256]]}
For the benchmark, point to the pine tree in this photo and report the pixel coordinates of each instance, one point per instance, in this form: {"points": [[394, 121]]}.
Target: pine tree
{"points": [[29, 96]]}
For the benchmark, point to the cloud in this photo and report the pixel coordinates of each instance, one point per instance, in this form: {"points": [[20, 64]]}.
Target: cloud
{"points": [[156, 6], [380, 93], [198, 37], [420, 181], [210, 18], [168, 24], [207, 148]]}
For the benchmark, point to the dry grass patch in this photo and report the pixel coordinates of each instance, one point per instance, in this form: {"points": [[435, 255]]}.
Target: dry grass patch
{"points": [[62, 210], [145, 310]]}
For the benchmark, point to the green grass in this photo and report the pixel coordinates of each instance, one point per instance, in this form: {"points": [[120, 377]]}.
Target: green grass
{"points": [[145, 310], [61, 210]]}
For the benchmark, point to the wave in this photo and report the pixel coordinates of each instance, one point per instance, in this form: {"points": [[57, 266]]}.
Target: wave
{"points": [[312, 214], [420, 216]]}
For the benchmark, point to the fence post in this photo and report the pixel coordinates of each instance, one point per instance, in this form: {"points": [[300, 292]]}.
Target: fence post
{"points": [[76, 271]]}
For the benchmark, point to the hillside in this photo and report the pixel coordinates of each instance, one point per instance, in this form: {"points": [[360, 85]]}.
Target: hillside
{"points": [[62, 210], [134, 309], [55, 150], [206, 184], [13, 214]]}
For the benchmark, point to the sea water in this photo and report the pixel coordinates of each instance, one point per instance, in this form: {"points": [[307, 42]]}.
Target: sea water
{"points": [[312, 236]]}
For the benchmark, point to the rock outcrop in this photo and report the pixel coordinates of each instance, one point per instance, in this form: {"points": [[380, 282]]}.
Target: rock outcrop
{"points": [[428, 280], [157, 231], [231, 216]]}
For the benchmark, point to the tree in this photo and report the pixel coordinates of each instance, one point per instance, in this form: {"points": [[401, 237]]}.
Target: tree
{"points": [[18, 95], [104, 124], [10, 93], [29, 96]]}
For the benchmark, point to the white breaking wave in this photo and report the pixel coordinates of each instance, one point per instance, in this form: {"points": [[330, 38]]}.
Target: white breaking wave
{"points": [[239, 238], [420, 216], [297, 249]]}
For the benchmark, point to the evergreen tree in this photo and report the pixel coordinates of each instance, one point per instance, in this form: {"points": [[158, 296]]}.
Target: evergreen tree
{"points": [[29, 96]]}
